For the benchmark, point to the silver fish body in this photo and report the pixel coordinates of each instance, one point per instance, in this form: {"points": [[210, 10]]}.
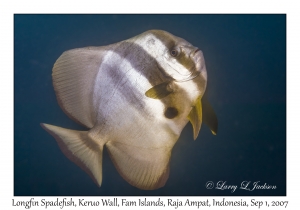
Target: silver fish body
{"points": [[135, 97]]}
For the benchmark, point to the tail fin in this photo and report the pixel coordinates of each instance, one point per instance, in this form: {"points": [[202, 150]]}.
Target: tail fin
{"points": [[79, 148]]}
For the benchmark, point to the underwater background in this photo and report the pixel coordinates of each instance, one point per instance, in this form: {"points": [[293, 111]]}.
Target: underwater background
{"points": [[245, 58]]}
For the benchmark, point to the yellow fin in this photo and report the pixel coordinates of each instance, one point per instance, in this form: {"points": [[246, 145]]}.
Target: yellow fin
{"points": [[195, 117], [79, 148], [144, 168], [209, 116], [159, 91]]}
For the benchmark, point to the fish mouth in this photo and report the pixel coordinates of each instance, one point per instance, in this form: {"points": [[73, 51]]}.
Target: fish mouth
{"points": [[197, 50], [197, 56]]}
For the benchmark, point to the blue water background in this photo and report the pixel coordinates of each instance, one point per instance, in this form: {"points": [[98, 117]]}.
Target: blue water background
{"points": [[246, 63]]}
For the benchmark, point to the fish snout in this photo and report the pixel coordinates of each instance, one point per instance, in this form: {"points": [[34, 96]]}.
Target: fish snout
{"points": [[199, 61], [193, 53], [197, 55]]}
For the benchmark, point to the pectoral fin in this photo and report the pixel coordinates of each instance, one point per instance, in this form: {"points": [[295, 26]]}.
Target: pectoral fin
{"points": [[159, 91], [195, 117], [209, 116]]}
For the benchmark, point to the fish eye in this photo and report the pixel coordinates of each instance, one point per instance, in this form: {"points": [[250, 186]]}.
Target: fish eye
{"points": [[174, 53]]}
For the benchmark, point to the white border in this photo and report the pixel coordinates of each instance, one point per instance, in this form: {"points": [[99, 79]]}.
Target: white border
{"points": [[8, 8]]}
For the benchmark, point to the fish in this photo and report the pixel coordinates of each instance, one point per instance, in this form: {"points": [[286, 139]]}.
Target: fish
{"points": [[134, 97]]}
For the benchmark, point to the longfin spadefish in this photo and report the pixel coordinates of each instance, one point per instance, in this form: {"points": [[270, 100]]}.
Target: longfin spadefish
{"points": [[80, 149], [74, 75], [195, 117], [144, 168], [159, 91], [209, 116]]}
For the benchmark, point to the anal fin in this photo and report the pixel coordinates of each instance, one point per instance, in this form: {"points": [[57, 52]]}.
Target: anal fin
{"points": [[144, 168], [80, 149]]}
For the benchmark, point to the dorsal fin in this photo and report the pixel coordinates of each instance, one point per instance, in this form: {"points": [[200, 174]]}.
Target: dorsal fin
{"points": [[74, 75]]}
